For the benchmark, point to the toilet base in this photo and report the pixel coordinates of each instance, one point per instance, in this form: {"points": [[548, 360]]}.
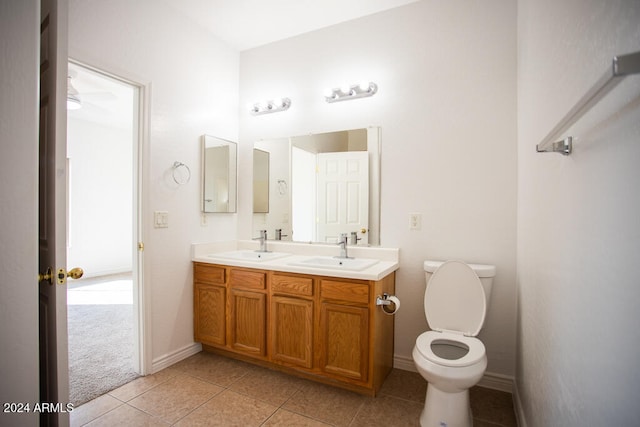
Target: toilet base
{"points": [[442, 409]]}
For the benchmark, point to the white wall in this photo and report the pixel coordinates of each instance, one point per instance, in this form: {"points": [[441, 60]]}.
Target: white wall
{"points": [[100, 197], [19, 64], [193, 79], [578, 227], [446, 106]]}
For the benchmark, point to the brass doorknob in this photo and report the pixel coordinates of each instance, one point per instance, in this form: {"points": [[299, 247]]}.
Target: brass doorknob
{"points": [[46, 277], [61, 275], [75, 273], [363, 230]]}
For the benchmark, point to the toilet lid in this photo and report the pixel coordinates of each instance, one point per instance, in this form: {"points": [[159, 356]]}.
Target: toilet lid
{"points": [[454, 300]]}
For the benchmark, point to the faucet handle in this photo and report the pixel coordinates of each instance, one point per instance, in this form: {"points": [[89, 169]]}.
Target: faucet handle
{"points": [[263, 235], [279, 234], [355, 238]]}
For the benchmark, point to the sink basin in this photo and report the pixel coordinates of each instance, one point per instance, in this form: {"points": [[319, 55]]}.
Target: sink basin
{"points": [[352, 264], [249, 255]]}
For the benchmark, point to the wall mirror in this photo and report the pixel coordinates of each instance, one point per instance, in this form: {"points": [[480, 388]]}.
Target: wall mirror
{"points": [[219, 174], [322, 185]]}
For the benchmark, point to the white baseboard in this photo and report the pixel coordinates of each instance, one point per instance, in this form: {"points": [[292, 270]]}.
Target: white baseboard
{"points": [[498, 382], [517, 406], [169, 359], [489, 380], [404, 363]]}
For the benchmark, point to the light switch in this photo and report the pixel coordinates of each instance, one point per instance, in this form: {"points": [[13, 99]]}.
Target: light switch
{"points": [[161, 219], [415, 221]]}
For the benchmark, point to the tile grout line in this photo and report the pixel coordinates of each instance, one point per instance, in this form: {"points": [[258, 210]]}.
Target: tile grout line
{"points": [[355, 416], [103, 414], [223, 389]]}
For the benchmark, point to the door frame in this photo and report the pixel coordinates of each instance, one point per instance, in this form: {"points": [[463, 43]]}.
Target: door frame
{"points": [[141, 294]]}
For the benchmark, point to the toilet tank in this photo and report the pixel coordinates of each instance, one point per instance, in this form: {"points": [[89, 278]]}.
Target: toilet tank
{"points": [[485, 272]]}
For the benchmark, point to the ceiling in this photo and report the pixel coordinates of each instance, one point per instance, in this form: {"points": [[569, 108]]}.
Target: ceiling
{"points": [[245, 24]]}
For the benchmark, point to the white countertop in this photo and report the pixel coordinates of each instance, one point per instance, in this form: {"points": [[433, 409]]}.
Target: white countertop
{"points": [[388, 258]]}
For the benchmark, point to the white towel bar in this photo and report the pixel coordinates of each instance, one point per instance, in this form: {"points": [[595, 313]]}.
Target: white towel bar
{"points": [[622, 66]]}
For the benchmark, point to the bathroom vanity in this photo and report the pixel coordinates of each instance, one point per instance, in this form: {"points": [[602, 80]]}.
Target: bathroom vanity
{"points": [[280, 311]]}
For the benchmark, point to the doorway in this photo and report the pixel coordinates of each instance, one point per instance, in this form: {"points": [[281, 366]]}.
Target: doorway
{"points": [[102, 228]]}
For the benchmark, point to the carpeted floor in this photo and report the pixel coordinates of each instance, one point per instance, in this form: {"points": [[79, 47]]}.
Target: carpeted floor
{"points": [[100, 348]]}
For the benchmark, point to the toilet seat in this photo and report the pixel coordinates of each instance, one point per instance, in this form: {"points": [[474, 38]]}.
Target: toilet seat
{"points": [[474, 355]]}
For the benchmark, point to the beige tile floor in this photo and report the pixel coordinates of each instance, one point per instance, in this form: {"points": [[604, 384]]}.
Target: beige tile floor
{"points": [[210, 390]]}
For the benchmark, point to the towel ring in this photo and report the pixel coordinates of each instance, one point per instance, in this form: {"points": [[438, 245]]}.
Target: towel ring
{"points": [[180, 176]]}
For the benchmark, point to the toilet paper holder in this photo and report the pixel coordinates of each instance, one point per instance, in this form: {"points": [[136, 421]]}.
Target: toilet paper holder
{"points": [[383, 300], [390, 304]]}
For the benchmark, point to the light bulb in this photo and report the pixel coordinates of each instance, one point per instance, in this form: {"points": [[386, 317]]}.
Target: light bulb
{"points": [[364, 86], [330, 94]]}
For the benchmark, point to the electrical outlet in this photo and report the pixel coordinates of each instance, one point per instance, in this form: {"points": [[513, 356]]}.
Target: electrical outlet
{"points": [[415, 221]]}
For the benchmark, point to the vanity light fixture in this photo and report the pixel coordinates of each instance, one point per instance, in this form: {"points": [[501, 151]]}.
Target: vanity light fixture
{"points": [[272, 106], [351, 92]]}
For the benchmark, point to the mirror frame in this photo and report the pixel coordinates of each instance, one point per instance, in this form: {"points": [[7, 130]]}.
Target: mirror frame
{"points": [[232, 173]]}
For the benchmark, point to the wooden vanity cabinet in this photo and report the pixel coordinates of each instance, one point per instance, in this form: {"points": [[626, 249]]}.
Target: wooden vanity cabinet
{"points": [[210, 304], [291, 321], [323, 328], [247, 311], [344, 325]]}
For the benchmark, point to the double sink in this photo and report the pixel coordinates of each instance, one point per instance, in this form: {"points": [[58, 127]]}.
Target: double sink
{"points": [[326, 262]]}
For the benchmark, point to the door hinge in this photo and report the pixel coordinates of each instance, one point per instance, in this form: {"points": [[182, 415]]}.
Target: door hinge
{"points": [[140, 246]]}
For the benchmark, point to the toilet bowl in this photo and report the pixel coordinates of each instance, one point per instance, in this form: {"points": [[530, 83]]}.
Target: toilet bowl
{"points": [[450, 357]]}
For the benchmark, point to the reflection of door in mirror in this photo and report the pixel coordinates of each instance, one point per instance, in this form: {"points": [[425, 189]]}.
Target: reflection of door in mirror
{"points": [[342, 195], [260, 181], [219, 175]]}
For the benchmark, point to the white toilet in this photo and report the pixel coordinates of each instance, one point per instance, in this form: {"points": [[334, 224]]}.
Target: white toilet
{"points": [[449, 356]]}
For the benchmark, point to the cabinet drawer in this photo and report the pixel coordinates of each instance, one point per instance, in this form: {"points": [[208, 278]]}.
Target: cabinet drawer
{"points": [[345, 291], [246, 279], [292, 285], [205, 273]]}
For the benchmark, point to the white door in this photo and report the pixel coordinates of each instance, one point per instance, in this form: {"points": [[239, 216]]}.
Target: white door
{"points": [[19, 75], [343, 195], [52, 183]]}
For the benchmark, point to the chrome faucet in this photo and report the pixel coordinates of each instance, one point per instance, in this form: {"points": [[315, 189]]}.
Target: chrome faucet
{"points": [[343, 242], [279, 234], [263, 241]]}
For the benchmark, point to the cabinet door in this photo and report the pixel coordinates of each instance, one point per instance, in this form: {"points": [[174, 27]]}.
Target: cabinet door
{"points": [[210, 314], [292, 330], [345, 340], [247, 317]]}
